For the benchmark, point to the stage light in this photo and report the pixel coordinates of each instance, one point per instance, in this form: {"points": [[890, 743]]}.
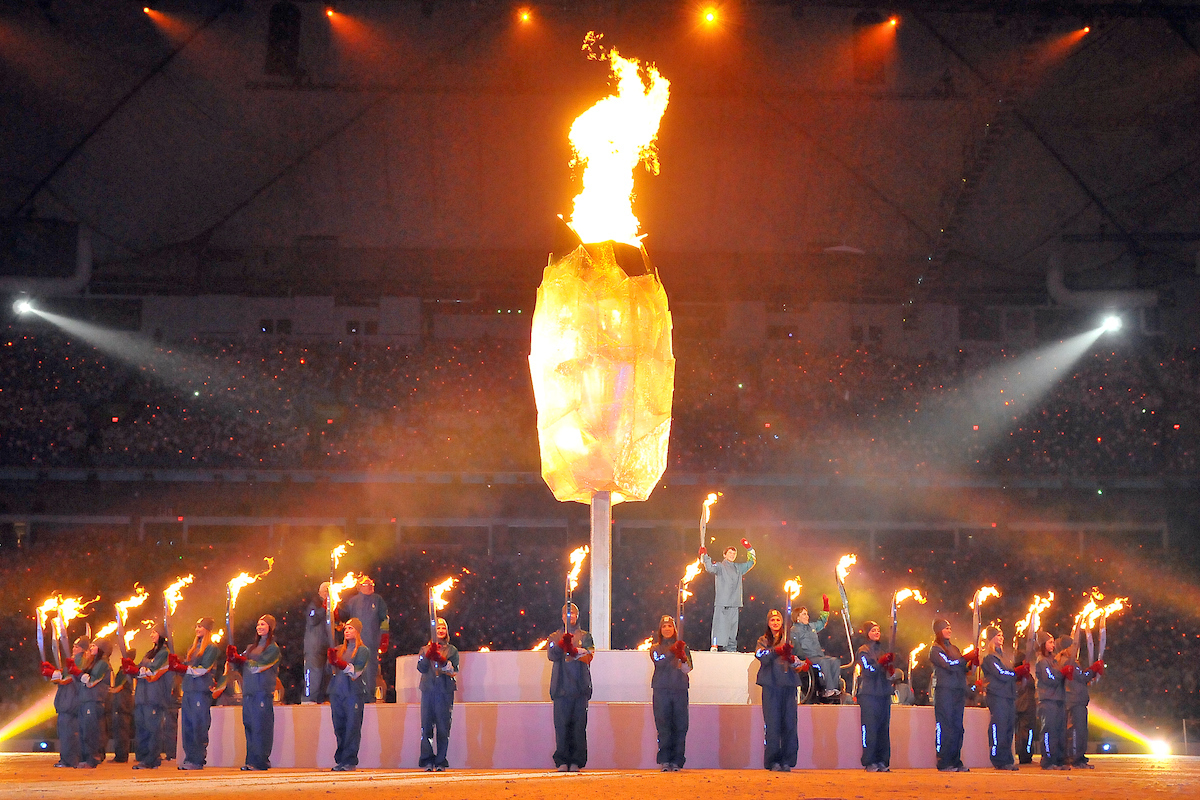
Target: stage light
{"points": [[524, 14], [1107, 747], [1112, 323], [1087, 28], [1159, 748], [893, 21], [710, 15], [330, 10], [23, 306]]}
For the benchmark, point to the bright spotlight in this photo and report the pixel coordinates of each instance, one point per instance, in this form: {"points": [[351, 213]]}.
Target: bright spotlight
{"points": [[330, 10], [893, 21], [1112, 323], [23, 306], [1159, 748], [524, 14], [710, 15]]}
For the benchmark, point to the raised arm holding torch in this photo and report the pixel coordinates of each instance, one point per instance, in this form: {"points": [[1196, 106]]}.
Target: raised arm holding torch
{"points": [[335, 558], [840, 573], [705, 516]]}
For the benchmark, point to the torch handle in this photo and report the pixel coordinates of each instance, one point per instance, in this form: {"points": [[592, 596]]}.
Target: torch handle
{"points": [[56, 642], [432, 620], [64, 638], [167, 625], [679, 611], [331, 602], [230, 638], [41, 636]]}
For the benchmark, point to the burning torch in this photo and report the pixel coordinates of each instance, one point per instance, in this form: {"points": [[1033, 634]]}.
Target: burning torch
{"points": [[121, 609], [1032, 622], [681, 596], [44, 613], [577, 557], [171, 597], [981, 594], [335, 558], [234, 588], [705, 516], [840, 573], [437, 601], [898, 597], [912, 661], [791, 590]]}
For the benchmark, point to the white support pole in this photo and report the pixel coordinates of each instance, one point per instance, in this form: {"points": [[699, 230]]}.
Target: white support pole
{"points": [[601, 574]]}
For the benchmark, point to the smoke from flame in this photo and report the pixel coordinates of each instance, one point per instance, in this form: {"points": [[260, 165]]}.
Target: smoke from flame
{"points": [[174, 593], [245, 579], [982, 594], [438, 593], [577, 557], [609, 140], [137, 601], [792, 587], [647, 644], [844, 565], [904, 594], [693, 569]]}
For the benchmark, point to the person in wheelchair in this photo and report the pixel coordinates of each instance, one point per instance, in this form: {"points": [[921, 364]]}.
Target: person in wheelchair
{"points": [[825, 669]]}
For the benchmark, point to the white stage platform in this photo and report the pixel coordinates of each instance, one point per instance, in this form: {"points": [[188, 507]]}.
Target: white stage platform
{"points": [[503, 720], [520, 735]]}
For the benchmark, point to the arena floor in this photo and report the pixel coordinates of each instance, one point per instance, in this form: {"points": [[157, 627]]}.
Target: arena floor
{"points": [[25, 776]]}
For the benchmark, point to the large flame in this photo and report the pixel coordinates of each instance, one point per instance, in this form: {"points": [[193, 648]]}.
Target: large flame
{"points": [[541, 645], [844, 565], [109, 628], [335, 555], [912, 657], [174, 593], [689, 574], [344, 585], [792, 587], [709, 502], [646, 644], [577, 557], [982, 594], [438, 593], [904, 594], [43, 611], [1091, 611], [1033, 617], [217, 635], [139, 598], [608, 140], [70, 608], [244, 579]]}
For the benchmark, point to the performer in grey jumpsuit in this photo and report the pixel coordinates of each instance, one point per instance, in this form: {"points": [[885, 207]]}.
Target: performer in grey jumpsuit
{"points": [[727, 604]]}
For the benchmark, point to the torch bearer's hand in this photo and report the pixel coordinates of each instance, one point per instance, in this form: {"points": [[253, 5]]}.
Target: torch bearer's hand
{"points": [[47, 669], [978, 686], [825, 602], [678, 651], [1097, 667], [1022, 671], [71, 668], [804, 665], [334, 660], [231, 655], [971, 659], [175, 665], [384, 641], [567, 643], [1068, 671], [703, 550], [128, 666], [886, 659]]}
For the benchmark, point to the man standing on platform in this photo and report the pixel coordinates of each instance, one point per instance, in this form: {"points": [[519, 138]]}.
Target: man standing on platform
{"points": [[372, 610], [316, 648], [571, 649], [727, 604]]}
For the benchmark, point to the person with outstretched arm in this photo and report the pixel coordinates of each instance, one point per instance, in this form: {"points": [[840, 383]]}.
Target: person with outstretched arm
{"points": [[571, 650], [727, 601], [808, 648]]}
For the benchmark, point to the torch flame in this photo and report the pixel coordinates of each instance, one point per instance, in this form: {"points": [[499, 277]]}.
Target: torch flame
{"points": [[335, 555], [982, 594], [709, 502], [245, 579], [129, 638], [577, 557], [1034, 616], [174, 593], [608, 140], [485, 649], [646, 644], [1088, 615], [968, 649], [792, 587], [439, 591], [844, 565], [139, 598], [1112, 608], [217, 636], [106, 630], [904, 594], [541, 645], [43, 611], [73, 607], [336, 589], [693, 569], [912, 656]]}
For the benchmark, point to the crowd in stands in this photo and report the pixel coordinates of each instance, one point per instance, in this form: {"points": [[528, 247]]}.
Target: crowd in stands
{"points": [[511, 601], [1127, 409]]}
